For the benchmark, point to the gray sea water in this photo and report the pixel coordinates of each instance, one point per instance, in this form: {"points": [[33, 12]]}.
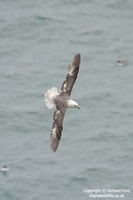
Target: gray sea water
{"points": [[38, 40]]}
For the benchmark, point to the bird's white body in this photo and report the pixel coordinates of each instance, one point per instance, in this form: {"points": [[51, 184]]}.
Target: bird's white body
{"points": [[50, 96]]}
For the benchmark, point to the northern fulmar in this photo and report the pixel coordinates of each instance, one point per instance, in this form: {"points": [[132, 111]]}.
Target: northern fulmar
{"points": [[62, 101]]}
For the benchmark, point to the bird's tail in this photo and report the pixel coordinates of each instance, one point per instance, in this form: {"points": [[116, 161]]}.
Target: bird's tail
{"points": [[50, 96]]}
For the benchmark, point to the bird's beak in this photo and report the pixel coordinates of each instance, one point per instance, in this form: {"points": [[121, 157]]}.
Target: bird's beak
{"points": [[78, 107]]}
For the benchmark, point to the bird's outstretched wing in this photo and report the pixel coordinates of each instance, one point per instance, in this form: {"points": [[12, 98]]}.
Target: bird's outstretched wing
{"points": [[71, 77], [57, 129]]}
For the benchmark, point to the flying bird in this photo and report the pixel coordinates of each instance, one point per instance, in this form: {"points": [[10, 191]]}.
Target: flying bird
{"points": [[62, 101]]}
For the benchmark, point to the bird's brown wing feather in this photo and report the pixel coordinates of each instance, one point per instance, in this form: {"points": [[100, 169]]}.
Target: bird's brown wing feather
{"points": [[57, 129], [71, 77]]}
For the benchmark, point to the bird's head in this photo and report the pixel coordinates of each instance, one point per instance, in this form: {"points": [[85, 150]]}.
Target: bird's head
{"points": [[73, 104]]}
